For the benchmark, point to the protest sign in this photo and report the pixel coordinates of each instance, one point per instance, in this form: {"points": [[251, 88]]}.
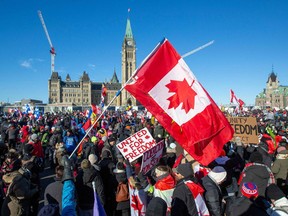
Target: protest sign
{"points": [[152, 157], [134, 146], [245, 128]]}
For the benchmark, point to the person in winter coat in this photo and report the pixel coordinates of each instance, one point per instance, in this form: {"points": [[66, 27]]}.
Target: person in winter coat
{"points": [[278, 200], [110, 146], [19, 195], [12, 136], [11, 163], [159, 131], [70, 141], [156, 206], [263, 149], [246, 204], [53, 192], [258, 173], [109, 181], [45, 136], [123, 207], [185, 193], [280, 168], [165, 184], [24, 134], [213, 195], [84, 187], [68, 191], [92, 148], [93, 159], [37, 148]]}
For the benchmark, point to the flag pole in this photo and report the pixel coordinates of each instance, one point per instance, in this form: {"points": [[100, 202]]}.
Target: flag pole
{"points": [[132, 76]]}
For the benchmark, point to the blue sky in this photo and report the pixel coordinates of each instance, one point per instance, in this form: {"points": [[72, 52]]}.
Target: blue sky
{"points": [[250, 36]]}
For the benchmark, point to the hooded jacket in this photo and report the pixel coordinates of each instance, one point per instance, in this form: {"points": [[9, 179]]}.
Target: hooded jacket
{"points": [[85, 190], [19, 195], [183, 202], [257, 173], [280, 166], [213, 196], [243, 206]]}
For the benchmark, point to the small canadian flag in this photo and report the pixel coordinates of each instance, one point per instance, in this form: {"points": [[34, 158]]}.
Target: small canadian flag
{"points": [[168, 89]]}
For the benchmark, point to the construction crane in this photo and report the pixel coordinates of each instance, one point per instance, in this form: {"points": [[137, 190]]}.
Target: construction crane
{"points": [[52, 49]]}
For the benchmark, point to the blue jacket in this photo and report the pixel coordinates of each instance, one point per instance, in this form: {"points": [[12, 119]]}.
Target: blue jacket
{"points": [[68, 199]]}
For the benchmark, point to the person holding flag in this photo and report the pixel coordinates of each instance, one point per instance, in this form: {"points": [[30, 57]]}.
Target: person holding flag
{"points": [[187, 197], [235, 100], [103, 95]]}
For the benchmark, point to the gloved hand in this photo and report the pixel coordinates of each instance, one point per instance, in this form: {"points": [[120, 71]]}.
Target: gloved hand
{"points": [[68, 168]]}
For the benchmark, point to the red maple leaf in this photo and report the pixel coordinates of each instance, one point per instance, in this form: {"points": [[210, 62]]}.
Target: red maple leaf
{"points": [[125, 150], [183, 94], [136, 203]]}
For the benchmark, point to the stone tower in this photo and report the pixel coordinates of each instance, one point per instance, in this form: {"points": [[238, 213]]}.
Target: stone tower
{"points": [[128, 62]]}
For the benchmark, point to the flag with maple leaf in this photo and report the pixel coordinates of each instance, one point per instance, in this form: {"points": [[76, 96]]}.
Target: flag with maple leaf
{"points": [[235, 100], [168, 89], [138, 201]]}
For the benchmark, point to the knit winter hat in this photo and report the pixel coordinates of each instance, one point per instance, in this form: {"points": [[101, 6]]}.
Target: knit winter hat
{"points": [[85, 164], [34, 137], [249, 190], [94, 139], [184, 169], [120, 168], [274, 192], [281, 148], [256, 157], [218, 174], [93, 158]]}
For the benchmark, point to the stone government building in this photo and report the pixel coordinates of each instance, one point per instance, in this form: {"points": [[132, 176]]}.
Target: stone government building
{"points": [[83, 93], [274, 95]]}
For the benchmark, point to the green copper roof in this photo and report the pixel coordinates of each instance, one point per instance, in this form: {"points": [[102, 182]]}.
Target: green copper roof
{"points": [[128, 32], [114, 78]]}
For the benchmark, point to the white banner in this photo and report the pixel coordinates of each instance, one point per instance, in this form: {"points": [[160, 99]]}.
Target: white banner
{"points": [[136, 145], [152, 157]]}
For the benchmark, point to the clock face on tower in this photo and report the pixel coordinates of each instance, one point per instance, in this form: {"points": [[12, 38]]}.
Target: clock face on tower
{"points": [[129, 43]]}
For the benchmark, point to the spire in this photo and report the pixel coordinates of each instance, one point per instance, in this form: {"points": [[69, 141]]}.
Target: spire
{"points": [[68, 77], [114, 78], [128, 32]]}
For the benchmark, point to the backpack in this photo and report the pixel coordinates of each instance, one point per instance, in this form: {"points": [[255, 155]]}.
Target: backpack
{"points": [[122, 193], [8, 177]]}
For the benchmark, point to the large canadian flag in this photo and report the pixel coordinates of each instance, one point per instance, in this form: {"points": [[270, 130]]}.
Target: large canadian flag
{"points": [[165, 85]]}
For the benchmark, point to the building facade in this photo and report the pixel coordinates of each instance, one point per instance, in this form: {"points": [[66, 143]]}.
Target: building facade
{"points": [[274, 95], [85, 92], [81, 93]]}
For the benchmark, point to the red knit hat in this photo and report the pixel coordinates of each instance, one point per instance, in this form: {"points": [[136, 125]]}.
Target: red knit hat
{"points": [[249, 190]]}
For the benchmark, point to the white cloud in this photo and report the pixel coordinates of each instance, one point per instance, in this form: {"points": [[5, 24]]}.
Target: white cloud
{"points": [[92, 66], [26, 63]]}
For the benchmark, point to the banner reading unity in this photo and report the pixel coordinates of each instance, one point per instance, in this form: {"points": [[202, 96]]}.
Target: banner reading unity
{"points": [[136, 145], [152, 157], [245, 128]]}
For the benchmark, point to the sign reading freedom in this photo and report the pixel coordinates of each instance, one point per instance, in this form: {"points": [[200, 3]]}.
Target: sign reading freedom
{"points": [[245, 128], [134, 146]]}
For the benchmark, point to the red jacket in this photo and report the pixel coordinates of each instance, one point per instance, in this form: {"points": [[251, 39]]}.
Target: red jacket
{"points": [[38, 150]]}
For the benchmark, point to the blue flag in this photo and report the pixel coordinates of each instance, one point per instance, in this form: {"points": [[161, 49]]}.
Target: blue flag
{"points": [[98, 209]]}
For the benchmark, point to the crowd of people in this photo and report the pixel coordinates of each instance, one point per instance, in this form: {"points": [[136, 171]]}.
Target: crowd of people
{"points": [[246, 179]]}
